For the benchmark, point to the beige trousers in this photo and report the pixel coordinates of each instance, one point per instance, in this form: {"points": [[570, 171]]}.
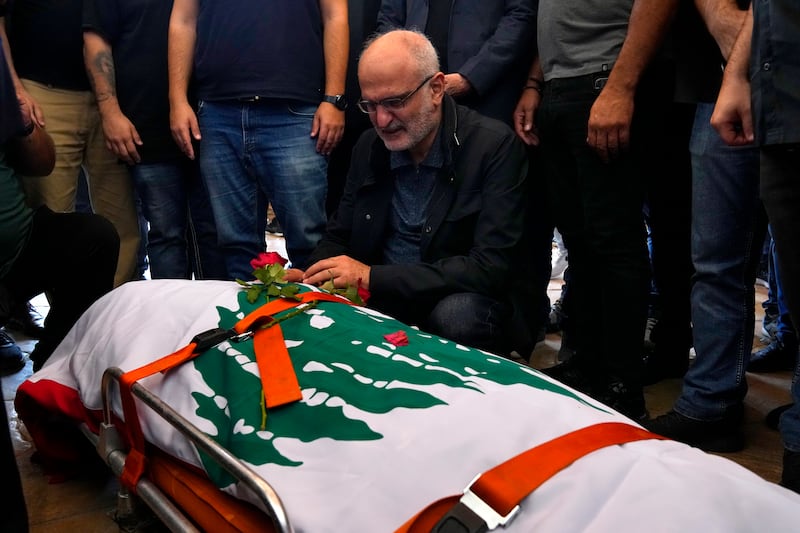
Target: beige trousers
{"points": [[73, 121]]}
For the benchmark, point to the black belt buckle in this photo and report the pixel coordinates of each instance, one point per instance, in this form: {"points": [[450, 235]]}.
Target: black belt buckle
{"points": [[473, 515], [208, 339], [600, 82], [460, 519], [249, 99]]}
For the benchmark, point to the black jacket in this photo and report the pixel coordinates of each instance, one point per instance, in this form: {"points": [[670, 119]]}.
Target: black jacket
{"points": [[476, 216]]}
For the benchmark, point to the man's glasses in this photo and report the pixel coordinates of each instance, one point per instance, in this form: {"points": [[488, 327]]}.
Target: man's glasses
{"points": [[390, 104]]}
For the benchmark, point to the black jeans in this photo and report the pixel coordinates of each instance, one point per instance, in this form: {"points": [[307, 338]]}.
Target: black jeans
{"points": [[70, 256], [597, 207], [780, 192]]}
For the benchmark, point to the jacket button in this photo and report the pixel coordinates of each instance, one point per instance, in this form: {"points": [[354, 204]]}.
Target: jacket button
{"points": [[428, 229], [767, 66], [368, 216]]}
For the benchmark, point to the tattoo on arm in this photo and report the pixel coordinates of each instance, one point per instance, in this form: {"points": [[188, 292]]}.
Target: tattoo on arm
{"points": [[103, 67]]}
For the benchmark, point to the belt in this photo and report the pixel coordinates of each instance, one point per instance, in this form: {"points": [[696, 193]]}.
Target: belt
{"points": [[252, 99], [594, 81]]}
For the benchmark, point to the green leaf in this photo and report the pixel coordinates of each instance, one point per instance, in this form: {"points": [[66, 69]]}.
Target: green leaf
{"points": [[290, 291], [276, 271], [254, 292], [272, 290]]}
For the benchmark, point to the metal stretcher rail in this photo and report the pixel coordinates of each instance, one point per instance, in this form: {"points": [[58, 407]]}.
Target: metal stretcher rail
{"points": [[110, 447]]}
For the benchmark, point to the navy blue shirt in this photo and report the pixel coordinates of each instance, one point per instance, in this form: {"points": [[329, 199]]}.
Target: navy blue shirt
{"points": [[775, 71], [260, 48], [413, 187]]}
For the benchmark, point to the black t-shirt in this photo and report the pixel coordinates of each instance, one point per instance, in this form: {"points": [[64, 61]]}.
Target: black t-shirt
{"points": [[137, 31], [47, 42]]}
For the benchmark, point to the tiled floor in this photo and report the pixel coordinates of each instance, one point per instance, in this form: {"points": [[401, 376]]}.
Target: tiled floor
{"points": [[87, 502]]}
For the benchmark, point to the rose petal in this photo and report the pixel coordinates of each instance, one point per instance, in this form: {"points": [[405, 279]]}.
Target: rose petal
{"points": [[266, 259], [362, 292], [398, 338]]}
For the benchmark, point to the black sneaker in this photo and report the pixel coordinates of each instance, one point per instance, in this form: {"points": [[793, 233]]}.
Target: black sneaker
{"points": [[723, 435], [26, 320], [274, 227], [790, 478], [570, 374], [778, 355], [555, 320], [773, 418], [626, 400], [11, 358]]}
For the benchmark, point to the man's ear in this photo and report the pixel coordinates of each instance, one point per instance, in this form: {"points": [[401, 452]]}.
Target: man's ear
{"points": [[437, 84]]}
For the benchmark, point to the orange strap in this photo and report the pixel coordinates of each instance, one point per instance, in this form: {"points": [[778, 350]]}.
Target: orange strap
{"points": [[278, 378], [503, 487]]}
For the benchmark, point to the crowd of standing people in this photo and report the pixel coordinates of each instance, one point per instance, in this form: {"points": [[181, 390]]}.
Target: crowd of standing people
{"points": [[428, 150]]}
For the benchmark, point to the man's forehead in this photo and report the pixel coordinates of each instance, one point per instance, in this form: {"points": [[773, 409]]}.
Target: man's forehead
{"points": [[393, 72]]}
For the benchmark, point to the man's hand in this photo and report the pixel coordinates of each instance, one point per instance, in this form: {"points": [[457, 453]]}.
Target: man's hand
{"points": [[184, 126], [328, 127], [293, 275], [342, 270], [524, 116], [732, 117], [609, 128], [121, 137], [31, 111], [456, 85]]}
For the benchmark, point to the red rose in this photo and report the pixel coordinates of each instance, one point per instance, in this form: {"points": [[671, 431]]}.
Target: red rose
{"points": [[363, 293], [267, 258]]}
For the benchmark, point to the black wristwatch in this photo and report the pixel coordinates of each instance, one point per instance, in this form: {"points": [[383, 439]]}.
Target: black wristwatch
{"points": [[338, 100]]}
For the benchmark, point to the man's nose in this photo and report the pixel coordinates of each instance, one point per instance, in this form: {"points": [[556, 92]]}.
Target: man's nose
{"points": [[382, 116]]}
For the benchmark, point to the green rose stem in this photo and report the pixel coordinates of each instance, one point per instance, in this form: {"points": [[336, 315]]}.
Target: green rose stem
{"points": [[300, 309]]}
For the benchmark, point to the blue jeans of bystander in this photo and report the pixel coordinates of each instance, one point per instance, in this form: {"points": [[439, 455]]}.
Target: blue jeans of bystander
{"points": [[166, 191], [728, 227], [263, 147]]}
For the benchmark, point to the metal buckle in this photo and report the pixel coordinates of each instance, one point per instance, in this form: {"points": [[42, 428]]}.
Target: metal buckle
{"points": [[473, 515], [210, 338], [599, 83]]}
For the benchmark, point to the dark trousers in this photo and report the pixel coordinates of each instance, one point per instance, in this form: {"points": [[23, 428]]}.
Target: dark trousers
{"points": [[597, 207], [70, 256], [668, 209], [780, 192]]}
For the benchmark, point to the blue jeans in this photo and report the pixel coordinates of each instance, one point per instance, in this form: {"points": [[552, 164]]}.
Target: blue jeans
{"points": [[784, 331], [728, 226], [166, 191], [250, 149]]}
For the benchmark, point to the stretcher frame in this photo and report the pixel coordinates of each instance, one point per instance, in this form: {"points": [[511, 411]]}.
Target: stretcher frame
{"points": [[112, 450]]}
